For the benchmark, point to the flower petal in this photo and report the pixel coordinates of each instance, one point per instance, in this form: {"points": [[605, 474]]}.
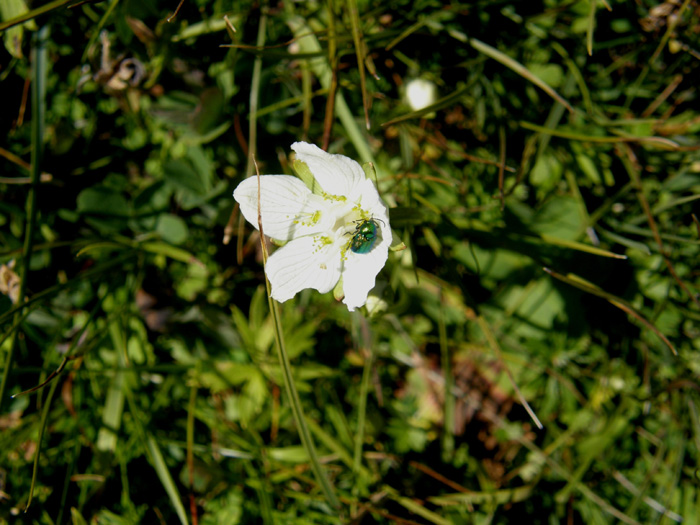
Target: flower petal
{"points": [[337, 174], [361, 269], [287, 207], [369, 200], [306, 262]]}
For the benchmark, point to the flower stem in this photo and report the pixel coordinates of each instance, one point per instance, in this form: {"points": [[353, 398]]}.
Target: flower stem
{"points": [[364, 344], [299, 417], [304, 433]]}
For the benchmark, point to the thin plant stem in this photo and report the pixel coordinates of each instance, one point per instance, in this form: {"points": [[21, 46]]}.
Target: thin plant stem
{"points": [[255, 95], [190, 453], [359, 52], [39, 56], [448, 441], [364, 392], [42, 428], [299, 418]]}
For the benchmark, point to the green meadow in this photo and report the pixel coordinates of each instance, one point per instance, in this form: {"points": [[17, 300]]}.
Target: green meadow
{"points": [[529, 352]]}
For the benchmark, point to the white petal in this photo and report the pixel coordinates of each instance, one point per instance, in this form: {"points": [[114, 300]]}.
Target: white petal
{"points": [[337, 174], [361, 269], [287, 207], [369, 200], [306, 262]]}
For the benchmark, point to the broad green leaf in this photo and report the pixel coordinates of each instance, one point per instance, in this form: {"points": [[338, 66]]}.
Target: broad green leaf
{"points": [[13, 37], [172, 228]]}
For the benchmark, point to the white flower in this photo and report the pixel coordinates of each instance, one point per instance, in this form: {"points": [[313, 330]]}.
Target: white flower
{"points": [[420, 93], [323, 232]]}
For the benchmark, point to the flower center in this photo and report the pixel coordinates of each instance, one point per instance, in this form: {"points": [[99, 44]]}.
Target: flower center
{"points": [[353, 218], [307, 219]]}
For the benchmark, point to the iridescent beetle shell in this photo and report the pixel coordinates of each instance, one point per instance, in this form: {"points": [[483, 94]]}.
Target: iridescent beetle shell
{"points": [[364, 236]]}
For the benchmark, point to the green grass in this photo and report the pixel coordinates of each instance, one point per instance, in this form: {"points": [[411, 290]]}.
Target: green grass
{"points": [[547, 199]]}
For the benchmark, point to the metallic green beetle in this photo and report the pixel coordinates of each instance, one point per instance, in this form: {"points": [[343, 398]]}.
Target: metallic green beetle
{"points": [[364, 236]]}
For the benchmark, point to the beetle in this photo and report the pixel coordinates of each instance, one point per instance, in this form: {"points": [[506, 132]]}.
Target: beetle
{"points": [[365, 235]]}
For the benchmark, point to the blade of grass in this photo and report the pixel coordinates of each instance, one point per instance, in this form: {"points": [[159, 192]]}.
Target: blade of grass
{"points": [[442, 479], [644, 484], [661, 97], [114, 402], [416, 507], [292, 101], [96, 32], [72, 465], [544, 238], [501, 165], [42, 428], [333, 85], [658, 507], [575, 191], [660, 141], [166, 479], [578, 76], [635, 245], [646, 232], [448, 431], [336, 447], [593, 7], [255, 96], [406, 33], [39, 70], [662, 206], [496, 349], [555, 115], [497, 497], [307, 96], [517, 67], [360, 54], [190, 453], [579, 246], [155, 247], [604, 440], [150, 446]]}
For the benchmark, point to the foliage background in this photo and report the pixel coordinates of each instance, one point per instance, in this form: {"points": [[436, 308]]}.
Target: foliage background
{"points": [[551, 248]]}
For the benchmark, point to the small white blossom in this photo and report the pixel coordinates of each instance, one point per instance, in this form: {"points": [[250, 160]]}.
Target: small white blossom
{"points": [[420, 93], [319, 230]]}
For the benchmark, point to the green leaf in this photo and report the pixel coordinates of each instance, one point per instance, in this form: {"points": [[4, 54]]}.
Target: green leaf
{"points": [[172, 228], [182, 176], [104, 208], [158, 463], [13, 37]]}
